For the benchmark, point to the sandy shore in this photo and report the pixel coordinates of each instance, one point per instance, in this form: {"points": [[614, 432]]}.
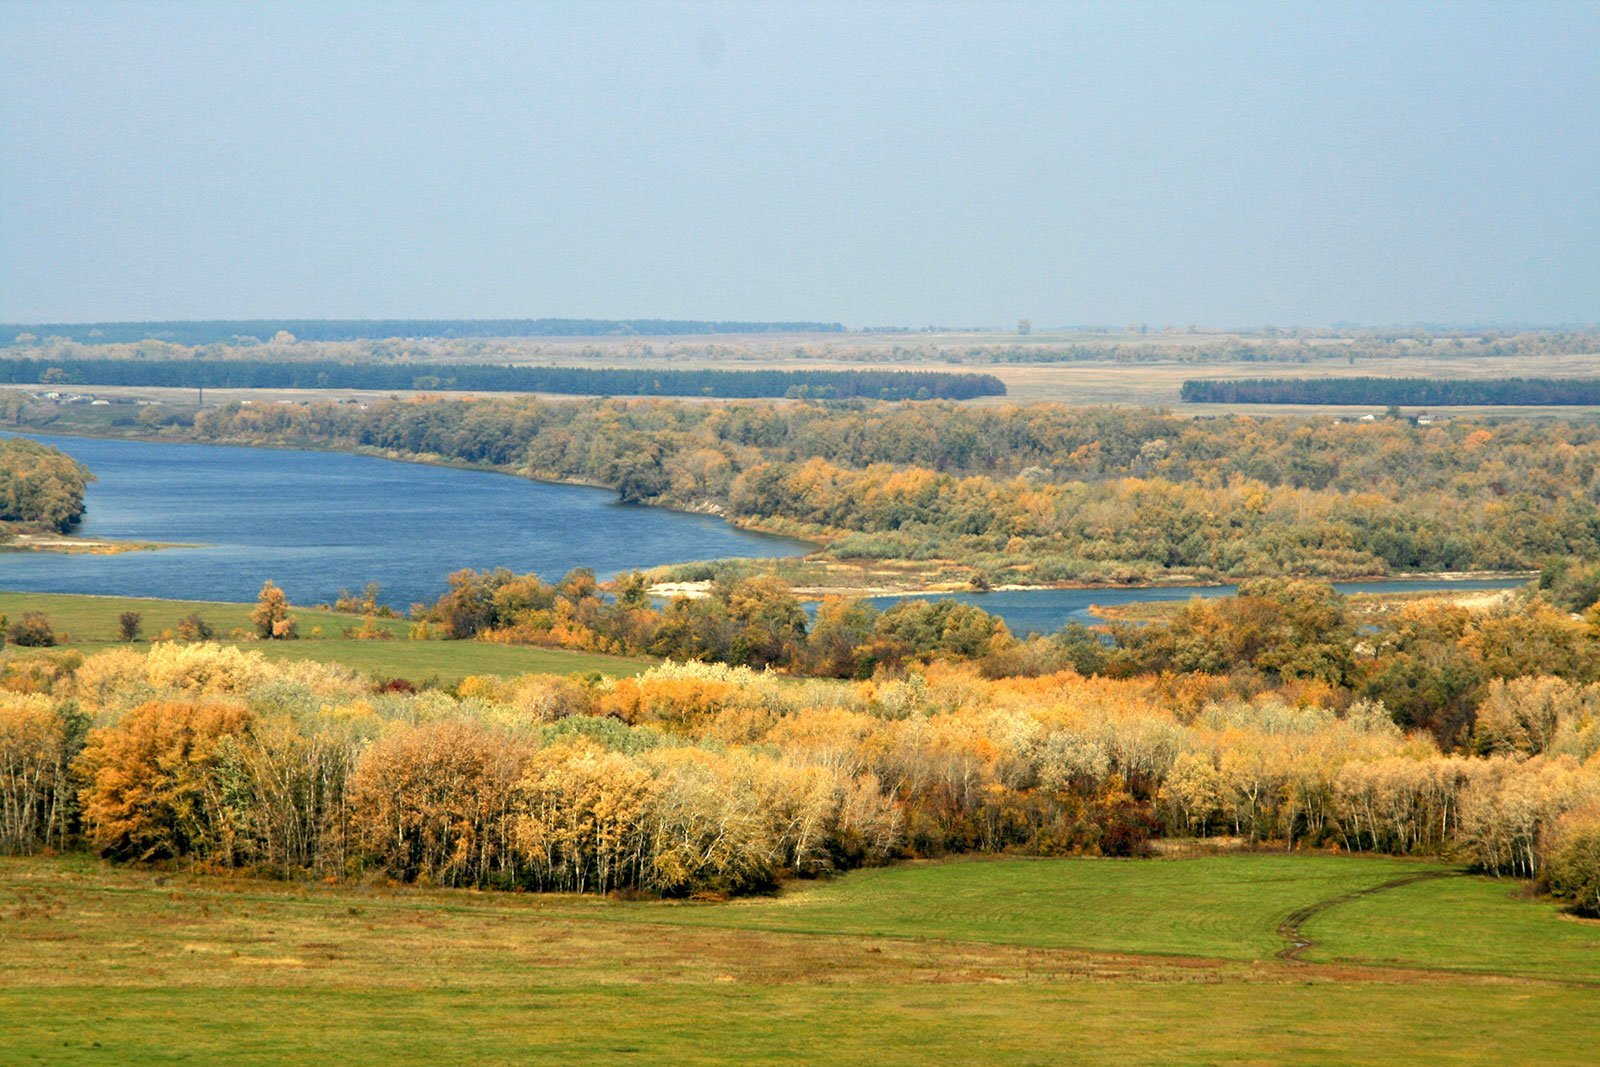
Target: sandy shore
{"points": [[33, 542], [697, 590]]}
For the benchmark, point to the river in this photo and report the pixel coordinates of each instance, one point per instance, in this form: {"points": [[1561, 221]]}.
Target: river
{"points": [[316, 522], [1047, 610]]}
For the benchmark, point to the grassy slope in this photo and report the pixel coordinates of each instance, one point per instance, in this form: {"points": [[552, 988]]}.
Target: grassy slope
{"points": [[1226, 907], [1502, 932], [94, 618], [109, 965], [92, 623]]}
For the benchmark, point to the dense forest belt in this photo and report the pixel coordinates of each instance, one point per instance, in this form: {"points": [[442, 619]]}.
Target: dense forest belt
{"points": [[1031, 495], [231, 331], [41, 488], [1412, 392], [483, 377], [700, 777]]}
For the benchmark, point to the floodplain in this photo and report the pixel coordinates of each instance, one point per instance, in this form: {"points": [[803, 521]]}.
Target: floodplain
{"points": [[1002, 960]]}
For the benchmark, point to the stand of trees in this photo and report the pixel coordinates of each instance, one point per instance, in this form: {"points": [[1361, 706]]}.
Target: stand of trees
{"points": [[41, 488], [707, 778], [1381, 392], [504, 378], [1432, 664], [755, 622]]}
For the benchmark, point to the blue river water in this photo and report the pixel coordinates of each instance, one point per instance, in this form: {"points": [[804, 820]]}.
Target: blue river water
{"points": [[316, 522], [1048, 610]]}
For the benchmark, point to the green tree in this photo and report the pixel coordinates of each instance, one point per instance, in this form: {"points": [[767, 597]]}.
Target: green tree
{"points": [[769, 624], [633, 591]]}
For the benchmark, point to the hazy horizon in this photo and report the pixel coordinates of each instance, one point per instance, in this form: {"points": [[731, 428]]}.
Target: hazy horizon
{"points": [[1225, 165]]}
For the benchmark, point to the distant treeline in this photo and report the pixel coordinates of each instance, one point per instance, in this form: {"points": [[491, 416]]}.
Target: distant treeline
{"points": [[327, 374], [225, 331], [1412, 392]]}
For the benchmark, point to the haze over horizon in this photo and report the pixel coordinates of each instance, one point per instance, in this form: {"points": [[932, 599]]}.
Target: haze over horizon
{"points": [[954, 164]]}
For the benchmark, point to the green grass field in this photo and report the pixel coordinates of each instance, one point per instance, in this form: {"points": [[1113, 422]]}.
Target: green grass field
{"points": [[1013, 961], [1503, 933], [91, 622], [1223, 907]]}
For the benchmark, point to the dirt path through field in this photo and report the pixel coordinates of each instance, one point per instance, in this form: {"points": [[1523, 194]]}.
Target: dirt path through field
{"points": [[1289, 928]]}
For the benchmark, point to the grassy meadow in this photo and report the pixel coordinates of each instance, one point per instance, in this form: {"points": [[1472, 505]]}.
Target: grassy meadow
{"points": [[1222, 907], [91, 624], [1015, 961]]}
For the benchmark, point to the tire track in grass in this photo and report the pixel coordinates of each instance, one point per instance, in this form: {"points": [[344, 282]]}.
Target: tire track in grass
{"points": [[1290, 928]]}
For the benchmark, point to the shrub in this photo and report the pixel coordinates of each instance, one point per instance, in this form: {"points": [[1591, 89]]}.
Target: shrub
{"points": [[128, 625], [369, 630], [193, 628], [33, 630], [204, 668]]}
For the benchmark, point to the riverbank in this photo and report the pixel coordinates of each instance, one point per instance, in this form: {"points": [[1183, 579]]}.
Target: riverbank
{"points": [[1363, 605], [69, 544], [885, 586]]}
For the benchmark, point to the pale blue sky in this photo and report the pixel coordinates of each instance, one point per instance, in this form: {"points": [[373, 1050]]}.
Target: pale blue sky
{"points": [[947, 163]]}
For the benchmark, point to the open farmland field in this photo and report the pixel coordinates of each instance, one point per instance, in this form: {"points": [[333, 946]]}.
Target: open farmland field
{"points": [[1016, 961], [91, 623], [1157, 384], [1154, 379]]}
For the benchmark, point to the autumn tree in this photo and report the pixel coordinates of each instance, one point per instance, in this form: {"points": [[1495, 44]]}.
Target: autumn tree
{"points": [[271, 617], [153, 780], [1573, 866], [434, 802], [769, 624], [1525, 714], [841, 641], [37, 743]]}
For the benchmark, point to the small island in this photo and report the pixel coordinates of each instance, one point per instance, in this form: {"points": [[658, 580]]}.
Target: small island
{"points": [[41, 502]]}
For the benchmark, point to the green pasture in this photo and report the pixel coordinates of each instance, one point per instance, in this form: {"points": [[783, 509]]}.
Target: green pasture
{"points": [[972, 962], [1226, 907], [91, 624], [1494, 928]]}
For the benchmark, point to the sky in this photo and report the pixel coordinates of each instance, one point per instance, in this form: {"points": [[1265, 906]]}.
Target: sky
{"points": [[1219, 164]]}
